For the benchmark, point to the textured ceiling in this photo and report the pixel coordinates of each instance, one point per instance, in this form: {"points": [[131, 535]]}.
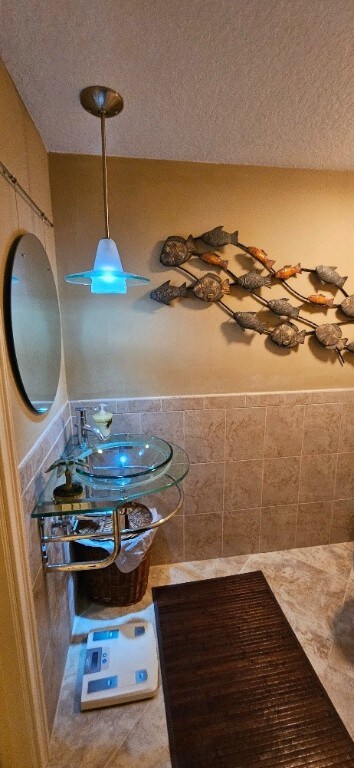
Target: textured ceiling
{"points": [[261, 82]]}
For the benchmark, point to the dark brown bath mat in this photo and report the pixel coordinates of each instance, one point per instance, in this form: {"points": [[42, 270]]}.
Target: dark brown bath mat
{"points": [[239, 690]]}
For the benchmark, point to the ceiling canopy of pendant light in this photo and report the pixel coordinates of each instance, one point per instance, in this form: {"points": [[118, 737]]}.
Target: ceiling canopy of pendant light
{"points": [[107, 275]]}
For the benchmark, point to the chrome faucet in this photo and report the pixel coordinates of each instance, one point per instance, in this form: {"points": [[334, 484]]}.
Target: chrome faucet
{"points": [[83, 428]]}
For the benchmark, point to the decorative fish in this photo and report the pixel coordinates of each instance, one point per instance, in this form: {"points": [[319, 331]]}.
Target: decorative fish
{"points": [[249, 320], [329, 275], [319, 298], [166, 292], [288, 271], [214, 259], [210, 287], [283, 308], [176, 250], [330, 336], [347, 306], [252, 280], [287, 335], [217, 237], [261, 256]]}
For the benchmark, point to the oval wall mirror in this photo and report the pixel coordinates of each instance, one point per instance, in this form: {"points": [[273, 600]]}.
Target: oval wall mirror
{"points": [[32, 322]]}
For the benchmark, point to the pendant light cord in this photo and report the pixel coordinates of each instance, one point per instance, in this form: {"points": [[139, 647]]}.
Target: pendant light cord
{"points": [[104, 170]]}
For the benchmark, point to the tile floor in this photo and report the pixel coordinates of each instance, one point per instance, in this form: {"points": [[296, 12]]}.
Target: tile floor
{"points": [[315, 588]]}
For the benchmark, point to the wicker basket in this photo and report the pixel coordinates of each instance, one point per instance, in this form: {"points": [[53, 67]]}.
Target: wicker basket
{"points": [[111, 586]]}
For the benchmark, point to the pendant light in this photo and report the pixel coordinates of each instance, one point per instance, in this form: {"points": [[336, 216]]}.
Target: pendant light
{"points": [[107, 275]]}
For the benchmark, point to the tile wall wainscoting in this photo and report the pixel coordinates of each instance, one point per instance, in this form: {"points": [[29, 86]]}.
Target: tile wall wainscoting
{"points": [[53, 593], [269, 471]]}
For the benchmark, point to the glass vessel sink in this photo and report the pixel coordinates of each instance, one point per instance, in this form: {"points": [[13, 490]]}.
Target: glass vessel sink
{"points": [[126, 460]]}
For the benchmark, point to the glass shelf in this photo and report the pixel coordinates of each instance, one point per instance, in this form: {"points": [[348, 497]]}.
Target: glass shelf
{"points": [[104, 500]]}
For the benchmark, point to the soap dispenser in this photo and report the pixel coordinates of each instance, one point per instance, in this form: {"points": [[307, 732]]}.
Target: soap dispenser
{"points": [[103, 420]]}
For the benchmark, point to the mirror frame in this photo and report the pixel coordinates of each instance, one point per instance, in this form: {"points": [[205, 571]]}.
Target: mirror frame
{"points": [[9, 335]]}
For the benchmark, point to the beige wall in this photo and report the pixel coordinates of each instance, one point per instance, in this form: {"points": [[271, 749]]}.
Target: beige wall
{"points": [[132, 346], [24, 154]]}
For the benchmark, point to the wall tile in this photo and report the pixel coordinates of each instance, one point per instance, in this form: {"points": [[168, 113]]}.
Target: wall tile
{"points": [[284, 431], [346, 440], [126, 422], [203, 489], [204, 435], [224, 401], [182, 403], [203, 536], [138, 405], [257, 399], [342, 527], [297, 398], [345, 477], [243, 484], [278, 526], [241, 532], [280, 481], [169, 426], [317, 478], [168, 544], [321, 428], [244, 433], [313, 524]]}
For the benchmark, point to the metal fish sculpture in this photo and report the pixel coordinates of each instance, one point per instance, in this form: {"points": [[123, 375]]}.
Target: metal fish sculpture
{"points": [[166, 292], [261, 256], [214, 259], [176, 250], [329, 275], [330, 336], [210, 287], [252, 280], [288, 271], [287, 335], [249, 320], [282, 308], [217, 237], [347, 306], [319, 298]]}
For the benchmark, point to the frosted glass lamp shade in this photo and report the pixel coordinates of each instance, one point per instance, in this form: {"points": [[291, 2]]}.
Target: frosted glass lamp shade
{"points": [[107, 275]]}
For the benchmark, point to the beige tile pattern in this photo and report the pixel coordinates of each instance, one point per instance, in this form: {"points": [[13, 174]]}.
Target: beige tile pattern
{"points": [[245, 433], [315, 589], [322, 428], [284, 457], [284, 431]]}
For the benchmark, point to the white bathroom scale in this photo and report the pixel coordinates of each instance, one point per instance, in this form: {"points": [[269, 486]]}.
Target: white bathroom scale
{"points": [[121, 665]]}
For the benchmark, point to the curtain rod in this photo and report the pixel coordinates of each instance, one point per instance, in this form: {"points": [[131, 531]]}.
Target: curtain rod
{"points": [[22, 192]]}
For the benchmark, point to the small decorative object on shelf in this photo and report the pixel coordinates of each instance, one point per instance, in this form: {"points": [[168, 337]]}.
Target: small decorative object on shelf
{"points": [[211, 288], [69, 489]]}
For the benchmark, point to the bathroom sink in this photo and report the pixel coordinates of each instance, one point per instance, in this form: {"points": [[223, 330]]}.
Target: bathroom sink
{"points": [[125, 460]]}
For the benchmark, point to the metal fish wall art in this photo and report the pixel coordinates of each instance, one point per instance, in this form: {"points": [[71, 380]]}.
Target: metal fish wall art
{"points": [[282, 308], [166, 292], [249, 320], [217, 237], [287, 335], [176, 250], [330, 336], [210, 288], [347, 306], [261, 256], [320, 299], [288, 271], [214, 259], [253, 279], [330, 275]]}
